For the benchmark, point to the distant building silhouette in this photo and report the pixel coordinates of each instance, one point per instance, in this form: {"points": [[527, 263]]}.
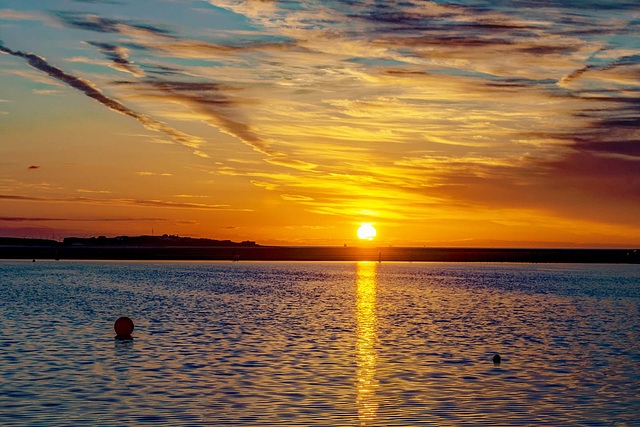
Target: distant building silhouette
{"points": [[164, 240]]}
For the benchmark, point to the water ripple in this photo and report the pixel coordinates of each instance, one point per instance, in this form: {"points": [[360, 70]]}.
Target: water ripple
{"points": [[319, 344]]}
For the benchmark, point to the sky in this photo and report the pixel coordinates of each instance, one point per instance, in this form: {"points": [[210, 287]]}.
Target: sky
{"points": [[443, 123]]}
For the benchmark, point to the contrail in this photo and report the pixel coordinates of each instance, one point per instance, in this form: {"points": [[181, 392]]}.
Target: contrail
{"points": [[88, 89]]}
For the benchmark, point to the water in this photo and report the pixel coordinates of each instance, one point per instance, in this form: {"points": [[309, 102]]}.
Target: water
{"points": [[301, 344]]}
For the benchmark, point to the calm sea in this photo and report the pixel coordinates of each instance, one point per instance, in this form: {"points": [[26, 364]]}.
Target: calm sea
{"points": [[301, 344]]}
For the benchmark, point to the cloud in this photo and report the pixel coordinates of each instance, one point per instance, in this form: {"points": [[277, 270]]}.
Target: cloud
{"points": [[17, 15], [18, 197], [45, 91], [44, 219], [296, 197], [125, 202], [105, 25], [266, 185], [88, 89], [82, 190], [160, 40], [145, 173], [624, 61], [32, 75], [213, 103], [118, 56], [179, 205], [404, 111], [311, 227]]}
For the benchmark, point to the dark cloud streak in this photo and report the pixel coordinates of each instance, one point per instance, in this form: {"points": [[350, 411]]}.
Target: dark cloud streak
{"points": [[630, 60], [124, 201], [44, 219], [106, 25], [118, 56]]}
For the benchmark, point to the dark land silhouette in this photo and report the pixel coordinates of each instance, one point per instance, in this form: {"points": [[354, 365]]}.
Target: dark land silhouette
{"points": [[184, 248]]}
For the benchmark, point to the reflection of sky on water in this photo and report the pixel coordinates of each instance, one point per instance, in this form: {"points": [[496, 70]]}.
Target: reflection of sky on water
{"points": [[319, 344], [366, 345]]}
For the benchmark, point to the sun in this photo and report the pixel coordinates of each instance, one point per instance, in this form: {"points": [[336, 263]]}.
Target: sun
{"points": [[366, 231]]}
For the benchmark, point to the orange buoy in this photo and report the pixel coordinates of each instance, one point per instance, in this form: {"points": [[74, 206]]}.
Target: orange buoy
{"points": [[123, 328]]}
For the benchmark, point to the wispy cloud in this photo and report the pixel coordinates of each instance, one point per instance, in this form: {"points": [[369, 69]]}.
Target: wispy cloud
{"points": [[210, 100], [124, 202], [17, 15], [398, 111], [296, 197], [89, 90], [46, 219], [118, 56], [82, 190], [45, 91], [106, 25], [146, 173]]}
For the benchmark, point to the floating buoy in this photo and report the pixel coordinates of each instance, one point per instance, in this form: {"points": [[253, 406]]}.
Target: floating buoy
{"points": [[496, 359], [123, 328]]}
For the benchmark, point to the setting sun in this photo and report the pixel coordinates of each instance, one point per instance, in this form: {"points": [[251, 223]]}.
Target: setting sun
{"points": [[366, 231]]}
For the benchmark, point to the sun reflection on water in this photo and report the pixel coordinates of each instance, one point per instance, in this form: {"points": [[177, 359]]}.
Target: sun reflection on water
{"points": [[366, 346]]}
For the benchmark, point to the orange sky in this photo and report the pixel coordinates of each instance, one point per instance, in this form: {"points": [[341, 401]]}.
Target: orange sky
{"points": [[445, 124]]}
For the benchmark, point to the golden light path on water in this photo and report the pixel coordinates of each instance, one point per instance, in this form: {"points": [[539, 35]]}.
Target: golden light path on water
{"points": [[367, 355]]}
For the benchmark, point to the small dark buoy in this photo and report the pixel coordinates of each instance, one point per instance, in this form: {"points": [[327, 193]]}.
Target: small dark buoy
{"points": [[496, 359], [123, 328]]}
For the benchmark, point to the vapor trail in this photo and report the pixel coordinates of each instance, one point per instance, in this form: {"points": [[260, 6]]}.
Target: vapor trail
{"points": [[88, 89]]}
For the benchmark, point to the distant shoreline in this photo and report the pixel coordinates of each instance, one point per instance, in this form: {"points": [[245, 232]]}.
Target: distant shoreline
{"points": [[319, 253]]}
